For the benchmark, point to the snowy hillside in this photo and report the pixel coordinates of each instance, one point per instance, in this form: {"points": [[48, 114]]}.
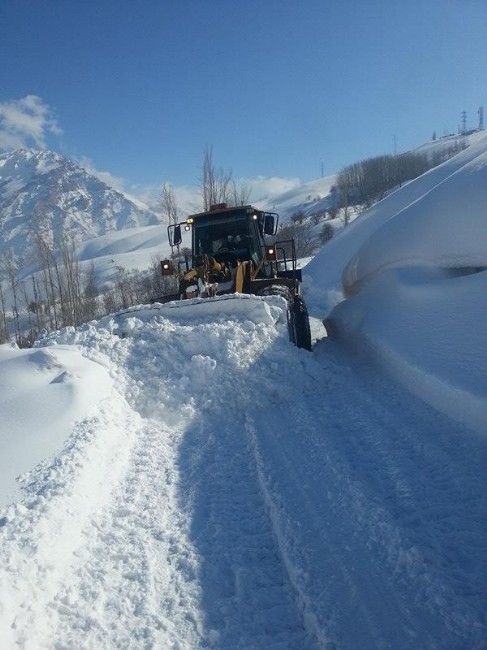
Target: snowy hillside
{"points": [[309, 198], [445, 222], [44, 192], [414, 270], [130, 248]]}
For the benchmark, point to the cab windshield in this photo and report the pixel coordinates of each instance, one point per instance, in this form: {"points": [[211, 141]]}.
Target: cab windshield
{"points": [[217, 237]]}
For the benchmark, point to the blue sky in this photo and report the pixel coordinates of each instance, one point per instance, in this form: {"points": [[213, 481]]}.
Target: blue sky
{"points": [[277, 88]]}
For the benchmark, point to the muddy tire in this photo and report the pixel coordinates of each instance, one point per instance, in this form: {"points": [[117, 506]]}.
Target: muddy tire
{"points": [[298, 320]]}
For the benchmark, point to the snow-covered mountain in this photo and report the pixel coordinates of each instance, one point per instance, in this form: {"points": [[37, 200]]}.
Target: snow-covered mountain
{"points": [[45, 193]]}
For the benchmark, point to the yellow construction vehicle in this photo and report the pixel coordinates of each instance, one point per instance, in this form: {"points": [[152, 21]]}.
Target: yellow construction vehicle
{"points": [[234, 250]]}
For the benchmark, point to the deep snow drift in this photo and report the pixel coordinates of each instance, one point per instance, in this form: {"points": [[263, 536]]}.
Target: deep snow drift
{"points": [[228, 490], [186, 478], [414, 270]]}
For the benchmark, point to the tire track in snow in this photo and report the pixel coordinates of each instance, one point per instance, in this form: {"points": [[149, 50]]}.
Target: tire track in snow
{"points": [[317, 545], [347, 482], [246, 597], [134, 584], [246, 601]]}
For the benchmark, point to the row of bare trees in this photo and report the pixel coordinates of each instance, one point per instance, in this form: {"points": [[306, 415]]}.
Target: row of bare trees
{"points": [[60, 293], [63, 292], [365, 182]]}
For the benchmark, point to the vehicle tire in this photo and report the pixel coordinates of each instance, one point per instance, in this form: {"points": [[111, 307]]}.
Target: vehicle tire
{"points": [[299, 328], [275, 290]]}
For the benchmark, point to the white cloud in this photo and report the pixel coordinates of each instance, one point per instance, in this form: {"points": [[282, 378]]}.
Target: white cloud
{"points": [[26, 122]]}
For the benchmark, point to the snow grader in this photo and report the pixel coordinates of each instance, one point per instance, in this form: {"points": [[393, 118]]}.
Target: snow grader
{"points": [[233, 250]]}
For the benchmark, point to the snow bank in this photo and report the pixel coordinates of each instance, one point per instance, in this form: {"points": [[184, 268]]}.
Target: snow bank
{"points": [[412, 268], [446, 228], [44, 392], [323, 276], [425, 327]]}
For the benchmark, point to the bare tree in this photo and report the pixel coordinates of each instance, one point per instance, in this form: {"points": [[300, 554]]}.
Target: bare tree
{"points": [[37, 306], [9, 268], [239, 194], [69, 277], [90, 295], [110, 303], [125, 286], [327, 232], [214, 182], [47, 270], [4, 335], [169, 205], [302, 233], [217, 186]]}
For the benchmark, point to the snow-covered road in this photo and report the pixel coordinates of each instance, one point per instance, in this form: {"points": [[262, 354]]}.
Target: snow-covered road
{"points": [[236, 492]]}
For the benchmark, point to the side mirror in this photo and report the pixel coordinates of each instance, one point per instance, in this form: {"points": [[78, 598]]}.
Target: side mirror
{"points": [[174, 235], [270, 224], [177, 237]]}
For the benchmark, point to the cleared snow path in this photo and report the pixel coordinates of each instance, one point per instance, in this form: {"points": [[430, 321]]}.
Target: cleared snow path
{"points": [[379, 505], [242, 494]]}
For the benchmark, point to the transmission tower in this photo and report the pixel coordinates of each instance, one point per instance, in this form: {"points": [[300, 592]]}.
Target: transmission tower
{"points": [[481, 118], [464, 122]]}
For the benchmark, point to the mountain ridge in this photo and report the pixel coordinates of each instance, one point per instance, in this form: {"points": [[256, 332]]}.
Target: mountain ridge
{"points": [[44, 193]]}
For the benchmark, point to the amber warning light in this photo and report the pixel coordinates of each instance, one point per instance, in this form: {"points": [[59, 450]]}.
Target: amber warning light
{"points": [[270, 253]]}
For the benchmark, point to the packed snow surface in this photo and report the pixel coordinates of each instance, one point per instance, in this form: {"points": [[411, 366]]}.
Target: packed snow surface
{"points": [[217, 487], [180, 476]]}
